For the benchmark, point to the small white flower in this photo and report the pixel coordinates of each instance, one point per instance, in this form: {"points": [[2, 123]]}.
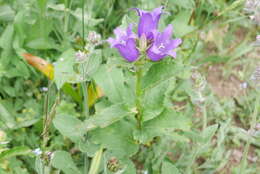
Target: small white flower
{"points": [[243, 85], [44, 89], [146, 172], [37, 151]]}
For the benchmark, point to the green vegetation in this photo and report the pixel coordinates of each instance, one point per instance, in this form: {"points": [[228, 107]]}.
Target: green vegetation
{"points": [[70, 104]]}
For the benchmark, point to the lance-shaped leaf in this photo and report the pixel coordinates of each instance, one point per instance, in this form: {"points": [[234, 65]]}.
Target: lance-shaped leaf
{"points": [[69, 126], [15, 151], [63, 161], [116, 138], [112, 81], [161, 72], [163, 124], [107, 116], [40, 64]]}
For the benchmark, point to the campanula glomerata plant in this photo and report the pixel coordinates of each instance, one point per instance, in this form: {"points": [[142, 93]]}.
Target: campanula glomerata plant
{"points": [[129, 87], [149, 41]]}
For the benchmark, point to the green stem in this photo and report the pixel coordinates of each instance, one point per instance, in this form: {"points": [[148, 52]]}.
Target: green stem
{"points": [[205, 119], [95, 163], [84, 86], [249, 140], [138, 92], [46, 113], [83, 23]]}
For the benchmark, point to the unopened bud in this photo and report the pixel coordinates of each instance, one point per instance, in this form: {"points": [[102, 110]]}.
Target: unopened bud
{"points": [[143, 43], [94, 38]]}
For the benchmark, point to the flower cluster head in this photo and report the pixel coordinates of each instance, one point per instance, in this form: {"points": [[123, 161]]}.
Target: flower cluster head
{"points": [[255, 78], [257, 42], [94, 38], [252, 7], [154, 44]]}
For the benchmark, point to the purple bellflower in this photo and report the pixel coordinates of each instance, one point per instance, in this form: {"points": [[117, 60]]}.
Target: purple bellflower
{"points": [[163, 44], [148, 21], [125, 43], [156, 45]]}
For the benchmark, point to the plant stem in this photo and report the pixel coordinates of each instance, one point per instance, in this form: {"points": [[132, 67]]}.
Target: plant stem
{"points": [[249, 140], [138, 92], [95, 163], [83, 23], [205, 119], [46, 113], [84, 86]]}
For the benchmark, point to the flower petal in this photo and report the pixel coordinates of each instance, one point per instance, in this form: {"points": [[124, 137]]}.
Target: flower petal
{"points": [[177, 42], [148, 21], [167, 33], [146, 24], [156, 13], [153, 56], [172, 54], [112, 41], [139, 11], [129, 52]]}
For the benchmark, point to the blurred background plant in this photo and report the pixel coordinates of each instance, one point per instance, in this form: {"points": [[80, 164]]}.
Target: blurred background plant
{"points": [[216, 94]]}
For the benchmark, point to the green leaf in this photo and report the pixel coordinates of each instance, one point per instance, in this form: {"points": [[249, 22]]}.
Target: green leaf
{"points": [[163, 124], [69, 126], [180, 23], [39, 166], [63, 71], [6, 116], [6, 43], [20, 69], [169, 168], [187, 4], [161, 72], [6, 13], [112, 82], [107, 116], [209, 132], [41, 44], [117, 138], [93, 63], [88, 20], [63, 161], [153, 102], [20, 150]]}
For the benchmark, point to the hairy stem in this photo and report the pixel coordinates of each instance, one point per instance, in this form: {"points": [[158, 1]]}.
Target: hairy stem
{"points": [[138, 92]]}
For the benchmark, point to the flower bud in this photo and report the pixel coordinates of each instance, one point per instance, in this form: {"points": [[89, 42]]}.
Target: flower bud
{"points": [[94, 38], [143, 43]]}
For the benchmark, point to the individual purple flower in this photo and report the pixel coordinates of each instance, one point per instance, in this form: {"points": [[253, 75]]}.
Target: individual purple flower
{"points": [[163, 44], [148, 21], [125, 43]]}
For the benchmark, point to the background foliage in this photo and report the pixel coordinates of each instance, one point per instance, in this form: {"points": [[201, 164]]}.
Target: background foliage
{"points": [[205, 128]]}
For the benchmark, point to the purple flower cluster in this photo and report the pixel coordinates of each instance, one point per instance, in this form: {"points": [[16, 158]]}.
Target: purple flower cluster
{"points": [[159, 44]]}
